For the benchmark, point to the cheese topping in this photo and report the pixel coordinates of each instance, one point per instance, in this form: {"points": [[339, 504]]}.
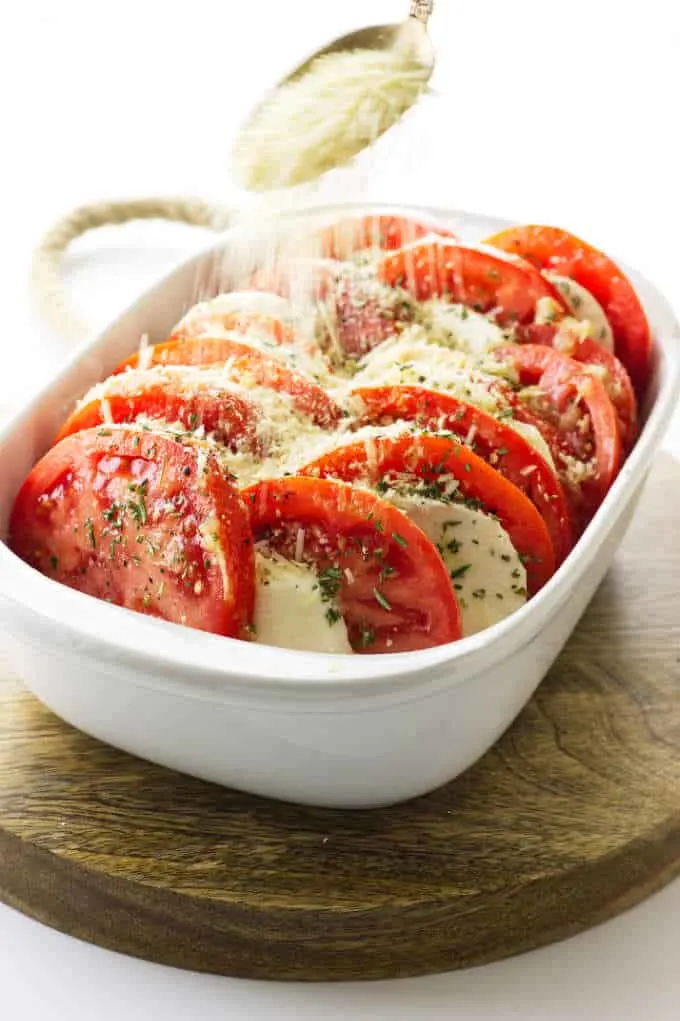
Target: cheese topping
{"points": [[461, 328], [325, 117], [247, 303], [412, 360]]}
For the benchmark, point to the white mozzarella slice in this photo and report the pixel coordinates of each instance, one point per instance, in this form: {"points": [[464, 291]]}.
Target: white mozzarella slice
{"points": [[461, 328], [310, 446], [290, 612], [486, 572], [584, 307], [533, 437], [411, 360]]}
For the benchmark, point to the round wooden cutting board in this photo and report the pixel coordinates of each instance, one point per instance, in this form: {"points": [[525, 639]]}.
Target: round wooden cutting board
{"points": [[572, 817]]}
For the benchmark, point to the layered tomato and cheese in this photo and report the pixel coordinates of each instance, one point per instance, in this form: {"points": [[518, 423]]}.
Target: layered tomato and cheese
{"points": [[399, 460]]}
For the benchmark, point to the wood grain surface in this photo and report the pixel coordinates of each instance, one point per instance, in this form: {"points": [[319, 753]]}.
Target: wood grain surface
{"points": [[572, 817]]}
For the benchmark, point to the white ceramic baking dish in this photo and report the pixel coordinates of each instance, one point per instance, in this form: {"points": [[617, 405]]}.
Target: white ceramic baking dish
{"points": [[353, 731]]}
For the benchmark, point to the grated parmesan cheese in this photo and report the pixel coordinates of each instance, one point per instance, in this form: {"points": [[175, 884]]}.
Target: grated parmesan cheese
{"points": [[324, 118]]}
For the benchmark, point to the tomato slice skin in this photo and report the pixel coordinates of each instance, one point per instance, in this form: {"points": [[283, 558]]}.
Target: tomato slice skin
{"points": [[473, 276], [392, 587], [494, 441], [137, 519], [428, 458], [244, 362], [563, 381], [345, 238], [550, 248], [616, 380], [229, 417], [234, 322]]}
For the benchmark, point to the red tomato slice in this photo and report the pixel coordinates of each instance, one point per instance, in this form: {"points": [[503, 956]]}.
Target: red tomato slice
{"points": [[141, 521], [230, 418], [208, 323], [347, 237], [428, 459], [480, 279], [551, 248], [494, 441], [391, 585], [245, 363], [566, 393], [614, 377], [366, 313]]}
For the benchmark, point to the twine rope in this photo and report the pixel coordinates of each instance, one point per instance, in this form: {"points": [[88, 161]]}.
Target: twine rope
{"points": [[47, 279]]}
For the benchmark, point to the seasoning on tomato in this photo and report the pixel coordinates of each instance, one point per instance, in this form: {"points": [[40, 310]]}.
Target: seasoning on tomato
{"points": [[141, 521]]}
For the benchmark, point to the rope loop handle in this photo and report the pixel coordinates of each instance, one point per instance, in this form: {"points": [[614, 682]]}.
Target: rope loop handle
{"points": [[46, 272]]}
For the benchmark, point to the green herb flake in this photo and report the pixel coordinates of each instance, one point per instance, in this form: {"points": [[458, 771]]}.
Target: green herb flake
{"points": [[137, 507], [459, 572], [381, 600], [333, 615], [89, 528], [329, 583]]}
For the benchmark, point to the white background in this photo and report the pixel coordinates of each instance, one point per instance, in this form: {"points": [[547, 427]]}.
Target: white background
{"points": [[562, 113]]}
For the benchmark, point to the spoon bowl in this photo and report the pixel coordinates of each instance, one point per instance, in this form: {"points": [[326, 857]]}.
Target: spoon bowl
{"points": [[375, 37]]}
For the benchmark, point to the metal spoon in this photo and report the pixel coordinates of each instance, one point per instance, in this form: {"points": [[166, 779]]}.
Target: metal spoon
{"points": [[411, 34]]}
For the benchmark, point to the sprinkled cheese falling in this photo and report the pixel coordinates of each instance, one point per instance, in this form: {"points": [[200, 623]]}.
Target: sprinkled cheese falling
{"points": [[290, 611], [324, 118], [251, 303], [260, 310], [256, 310], [145, 352], [486, 572]]}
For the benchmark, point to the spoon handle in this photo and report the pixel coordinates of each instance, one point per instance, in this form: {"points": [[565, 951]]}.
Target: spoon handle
{"points": [[421, 10]]}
